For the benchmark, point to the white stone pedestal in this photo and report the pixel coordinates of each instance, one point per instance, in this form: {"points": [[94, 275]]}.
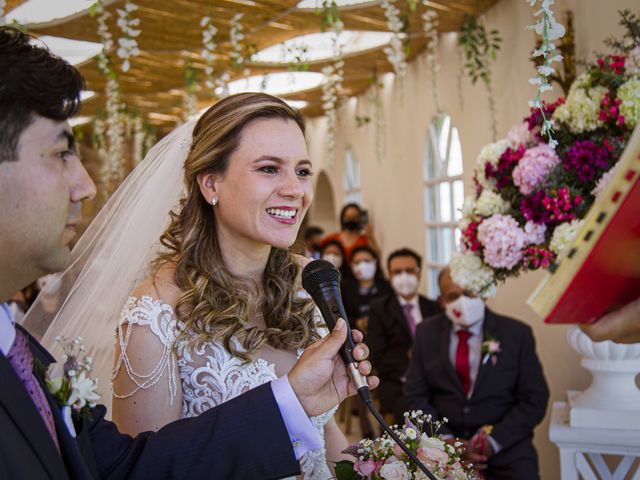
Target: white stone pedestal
{"points": [[581, 449], [613, 398]]}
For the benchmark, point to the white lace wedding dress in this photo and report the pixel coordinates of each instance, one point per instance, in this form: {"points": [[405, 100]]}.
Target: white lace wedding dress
{"points": [[208, 374]]}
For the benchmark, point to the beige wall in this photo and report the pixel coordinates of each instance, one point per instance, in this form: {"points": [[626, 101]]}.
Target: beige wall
{"points": [[393, 190]]}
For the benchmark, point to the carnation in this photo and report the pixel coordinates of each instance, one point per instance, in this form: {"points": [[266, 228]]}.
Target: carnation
{"points": [[564, 234], [490, 203], [468, 271], [534, 167], [582, 107], [503, 241], [490, 154], [629, 93], [395, 470]]}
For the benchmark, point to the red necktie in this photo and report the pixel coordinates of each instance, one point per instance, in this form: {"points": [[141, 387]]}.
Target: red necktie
{"points": [[21, 360], [462, 360], [411, 323]]}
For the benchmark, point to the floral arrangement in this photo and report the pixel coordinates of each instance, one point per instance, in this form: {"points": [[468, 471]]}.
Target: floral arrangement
{"points": [[74, 391], [430, 28], [530, 197], [395, 50], [236, 36], [209, 32], [128, 46], [382, 459]]}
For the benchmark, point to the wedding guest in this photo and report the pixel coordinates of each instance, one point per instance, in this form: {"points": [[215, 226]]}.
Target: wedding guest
{"points": [[333, 252], [42, 186], [393, 318], [312, 238], [480, 371], [367, 284], [355, 230]]}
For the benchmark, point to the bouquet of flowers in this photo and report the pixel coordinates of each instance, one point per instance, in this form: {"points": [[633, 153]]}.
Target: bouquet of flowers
{"points": [[382, 459], [529, 196]]}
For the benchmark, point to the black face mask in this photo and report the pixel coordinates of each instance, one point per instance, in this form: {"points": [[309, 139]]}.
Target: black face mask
{"points": [[352, 225], [315, 246]]}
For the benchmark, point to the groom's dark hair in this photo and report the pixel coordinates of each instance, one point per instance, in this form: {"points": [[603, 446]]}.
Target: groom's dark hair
{"points": [[32, 81]]}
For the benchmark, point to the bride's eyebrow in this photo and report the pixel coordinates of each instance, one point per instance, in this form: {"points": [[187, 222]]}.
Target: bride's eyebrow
{"points": [[279, 160]]}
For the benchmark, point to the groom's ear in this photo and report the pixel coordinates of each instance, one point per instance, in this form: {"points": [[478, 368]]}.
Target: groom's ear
{"points": [[207, 183]]}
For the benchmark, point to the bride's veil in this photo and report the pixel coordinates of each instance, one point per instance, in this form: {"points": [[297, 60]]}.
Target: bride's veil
{"points": [[111, 257]]}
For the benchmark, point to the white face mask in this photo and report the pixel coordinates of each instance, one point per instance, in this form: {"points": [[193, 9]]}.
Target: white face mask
{"points": [[336, 260], [465, 311], [405, 284], [364, 270]]}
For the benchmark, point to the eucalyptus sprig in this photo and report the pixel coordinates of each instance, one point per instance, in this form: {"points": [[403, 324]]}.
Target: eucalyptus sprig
{"points": [[480, 49], [550, 30]]}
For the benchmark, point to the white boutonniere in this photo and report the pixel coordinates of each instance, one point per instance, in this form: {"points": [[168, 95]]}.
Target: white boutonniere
{"points": [[74, 390], [490, 350]]}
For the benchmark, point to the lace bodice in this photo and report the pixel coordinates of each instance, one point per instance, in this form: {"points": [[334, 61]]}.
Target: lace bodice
{"points": [[208, 374]]}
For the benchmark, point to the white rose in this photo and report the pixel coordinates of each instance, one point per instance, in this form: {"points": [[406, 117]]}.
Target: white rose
{"points": [[83, 391], [431, 442], [395, 471]]}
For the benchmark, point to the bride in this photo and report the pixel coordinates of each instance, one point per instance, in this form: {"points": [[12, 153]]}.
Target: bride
{"points": [[221, 309]]}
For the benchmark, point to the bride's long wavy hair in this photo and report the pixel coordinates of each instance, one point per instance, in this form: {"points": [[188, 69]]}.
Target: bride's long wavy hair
{"points": [[215, 304]]}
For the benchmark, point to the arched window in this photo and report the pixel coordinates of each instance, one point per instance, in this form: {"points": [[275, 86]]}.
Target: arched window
{"points": [[351, 182], [443, 196]]}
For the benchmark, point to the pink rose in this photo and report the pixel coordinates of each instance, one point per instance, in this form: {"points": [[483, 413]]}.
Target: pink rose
{"points": [[364, 468], [433, 456]]}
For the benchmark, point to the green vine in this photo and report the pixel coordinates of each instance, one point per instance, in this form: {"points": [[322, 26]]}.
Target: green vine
{"points": [[480, 49], [330, 14]]}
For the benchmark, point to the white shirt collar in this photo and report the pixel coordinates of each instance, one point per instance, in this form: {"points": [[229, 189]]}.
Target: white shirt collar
{"points": [[413, 301], [475, 329], [7, 329]]}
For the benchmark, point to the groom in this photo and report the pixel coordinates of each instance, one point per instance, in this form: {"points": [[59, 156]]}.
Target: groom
{"points": [[259, 435]]}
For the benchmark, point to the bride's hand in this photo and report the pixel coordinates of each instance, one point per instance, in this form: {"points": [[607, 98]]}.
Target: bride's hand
{"points": [[320, 380]]}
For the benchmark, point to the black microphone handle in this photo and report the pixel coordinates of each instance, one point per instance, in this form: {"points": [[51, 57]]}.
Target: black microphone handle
{"points": [[332, 309]]}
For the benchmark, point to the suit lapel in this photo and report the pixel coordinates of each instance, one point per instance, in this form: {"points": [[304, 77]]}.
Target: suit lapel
{"points": [[488, 330], [18, 404], [445, 341]]}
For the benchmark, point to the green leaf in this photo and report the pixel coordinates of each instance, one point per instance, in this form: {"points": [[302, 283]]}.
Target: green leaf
{"points": [[344, 471]]}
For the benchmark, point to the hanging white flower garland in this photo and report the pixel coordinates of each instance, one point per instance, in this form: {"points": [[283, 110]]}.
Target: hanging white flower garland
{"points": [[138, 140], [209, 32], [236, 34], [128, 46], [550, 30], [395, 50], [332, 86], [430, 27]]}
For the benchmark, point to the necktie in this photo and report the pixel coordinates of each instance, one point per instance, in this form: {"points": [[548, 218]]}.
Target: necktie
{"points": [[411, 323], [21, 360], [462, 360]]}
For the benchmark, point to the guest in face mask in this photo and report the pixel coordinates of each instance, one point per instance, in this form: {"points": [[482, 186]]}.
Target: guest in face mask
{"points": [[366, 284], [481, 371], [392, 322], [355, 230]]}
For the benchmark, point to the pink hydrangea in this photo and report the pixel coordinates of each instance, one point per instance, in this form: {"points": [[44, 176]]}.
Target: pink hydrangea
{"points": [[535, 232], [534, 167], [503, 241]]}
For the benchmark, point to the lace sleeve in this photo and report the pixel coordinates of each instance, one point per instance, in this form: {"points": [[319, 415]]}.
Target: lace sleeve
{"points": [[149, 321]]}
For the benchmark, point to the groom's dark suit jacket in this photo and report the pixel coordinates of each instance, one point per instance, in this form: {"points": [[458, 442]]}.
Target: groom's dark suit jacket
{"points": [[511, 395], [243, 438]]}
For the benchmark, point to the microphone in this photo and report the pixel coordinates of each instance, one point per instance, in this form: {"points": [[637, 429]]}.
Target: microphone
{"points": [[322, 281]]}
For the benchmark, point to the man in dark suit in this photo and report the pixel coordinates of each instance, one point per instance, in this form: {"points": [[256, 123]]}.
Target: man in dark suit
{"points": [[258, 435], [393, 319], [480, 371]]}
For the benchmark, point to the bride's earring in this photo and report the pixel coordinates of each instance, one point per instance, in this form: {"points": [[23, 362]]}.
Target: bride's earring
{"points": [[214, 201]]}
